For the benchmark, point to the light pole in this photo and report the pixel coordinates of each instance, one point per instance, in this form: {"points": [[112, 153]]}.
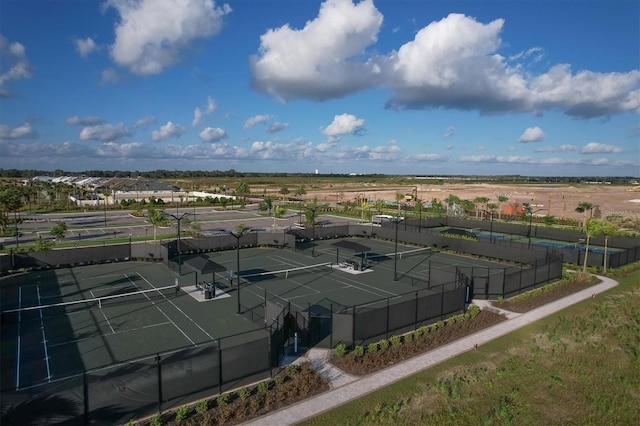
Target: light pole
{"points": [[105, 211], [179, 219], [529, 209], [313, 211], [396, 220], [129, 246], [241, 232], [15, 220]]}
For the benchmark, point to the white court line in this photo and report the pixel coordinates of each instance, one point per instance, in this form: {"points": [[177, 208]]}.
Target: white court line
{"points": [[44, 338], [161, 311], [68, 342], [181, 311], [19, 332], [103, 314]]}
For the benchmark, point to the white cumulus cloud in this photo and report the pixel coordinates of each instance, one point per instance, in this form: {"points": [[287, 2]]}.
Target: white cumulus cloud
{"points": [[256, 119], [200, 113], [144, 121], [212, 134], [15, 65], [277, 127], [599, 148], [344, 124], [321, 60], [532, 134], [452, 63], [104, 132], [24, 131], [84, 47], [89, 120], [152, 34], [169, 130]]}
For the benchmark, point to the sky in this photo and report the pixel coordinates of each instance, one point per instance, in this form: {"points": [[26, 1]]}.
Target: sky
{"points": [[497, 87]]}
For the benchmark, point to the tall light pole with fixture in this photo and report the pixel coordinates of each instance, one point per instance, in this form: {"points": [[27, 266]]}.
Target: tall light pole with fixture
{"points": [[396, 220], [529, 209], [313, 211], [240, 232], [178, 219]]}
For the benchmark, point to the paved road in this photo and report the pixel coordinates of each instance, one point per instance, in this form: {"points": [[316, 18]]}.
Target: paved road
{"points": [[101, 225], [346, 388]]}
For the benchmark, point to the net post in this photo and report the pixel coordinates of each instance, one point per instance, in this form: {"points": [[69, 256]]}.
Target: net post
{"points": [[85, 390], [159, 383]]}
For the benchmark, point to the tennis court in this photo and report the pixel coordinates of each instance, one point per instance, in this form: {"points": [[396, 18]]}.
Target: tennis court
{"points": [[59, 323], [324, 274]]}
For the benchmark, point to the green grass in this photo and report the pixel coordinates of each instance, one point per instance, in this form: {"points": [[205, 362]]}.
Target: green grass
{"points": [[579, 366]]}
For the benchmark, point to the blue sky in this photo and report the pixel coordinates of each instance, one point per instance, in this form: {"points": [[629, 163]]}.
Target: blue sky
{"points": [[387, 86]]}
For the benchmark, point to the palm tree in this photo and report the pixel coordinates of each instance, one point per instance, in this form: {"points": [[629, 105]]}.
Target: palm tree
{"points": [[399, 197], [590, 229], [156, 218], [607, 229], [477, 201], [501, 199], [242, 190], [583, 206]]}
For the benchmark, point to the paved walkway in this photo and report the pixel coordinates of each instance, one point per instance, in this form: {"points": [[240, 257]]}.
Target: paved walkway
{"points": [[345, 388]]}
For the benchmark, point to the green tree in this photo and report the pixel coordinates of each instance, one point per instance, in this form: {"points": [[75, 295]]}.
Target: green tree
{"points": [[583, 207], [607, 229], [284, 191], [59, 230], [42, 245], [156, 218], [300, 191], [10, 201], [242, 190], [590, 229], [501, 199], [399, 197], [478, 201], [223, 202]]}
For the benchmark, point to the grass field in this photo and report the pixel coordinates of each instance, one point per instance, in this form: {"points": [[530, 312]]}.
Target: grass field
{"points": [[581, 366]]}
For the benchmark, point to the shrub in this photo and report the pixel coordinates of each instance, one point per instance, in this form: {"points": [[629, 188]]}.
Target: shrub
{"points": [[156, 420], [384, 344], [372, 348], [182, 413], [473, 310], [292, 370], [395, 340], [202, 406], [341, 350], [408, 338], [358, 351], [244, 393], [222, 399], [439, 325], [264, 386]]}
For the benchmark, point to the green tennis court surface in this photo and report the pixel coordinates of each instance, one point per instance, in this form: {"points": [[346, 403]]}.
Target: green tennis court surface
{"points": [[59, 323]]}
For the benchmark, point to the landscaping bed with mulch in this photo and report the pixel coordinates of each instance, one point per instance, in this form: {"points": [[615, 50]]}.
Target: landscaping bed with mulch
{"points": [[377, 356], [547, 294], [293, 384]]}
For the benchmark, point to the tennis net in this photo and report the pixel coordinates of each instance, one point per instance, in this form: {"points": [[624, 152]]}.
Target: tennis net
{"points": [[401, 254], [65, 308], [286, 273]]}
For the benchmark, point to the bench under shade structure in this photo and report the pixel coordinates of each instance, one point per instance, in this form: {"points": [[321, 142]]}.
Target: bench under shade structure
{"points": [[203, 265], [355, 247]]}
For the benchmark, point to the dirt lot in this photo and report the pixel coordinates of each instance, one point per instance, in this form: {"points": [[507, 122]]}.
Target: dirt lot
{"points": [[555, 200]]}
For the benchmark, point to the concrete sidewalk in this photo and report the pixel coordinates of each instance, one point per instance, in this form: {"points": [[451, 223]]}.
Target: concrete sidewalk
{"points": [[346, 388]]}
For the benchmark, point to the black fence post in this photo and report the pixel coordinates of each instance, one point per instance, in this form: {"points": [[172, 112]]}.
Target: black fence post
{"points": [[353, 324], [85, 386], [387, 335], [442, 301], [159, 383], [220, 362], [415, 320], [331, 327]]}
